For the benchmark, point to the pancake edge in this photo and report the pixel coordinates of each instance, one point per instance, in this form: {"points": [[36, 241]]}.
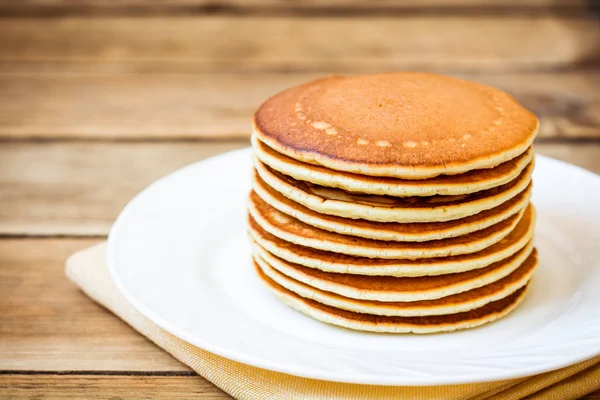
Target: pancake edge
{"points": [[390, 296], [358, 306], [400, 269], [297, 303], [390, 214], [380, 234], [356, 250], [397, 171]]}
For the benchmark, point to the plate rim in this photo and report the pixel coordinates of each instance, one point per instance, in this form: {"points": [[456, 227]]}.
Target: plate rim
{"points": [[287, 368]]}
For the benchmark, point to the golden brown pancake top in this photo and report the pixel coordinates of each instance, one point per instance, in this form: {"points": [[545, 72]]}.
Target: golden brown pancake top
{"points": [[395, 121]]}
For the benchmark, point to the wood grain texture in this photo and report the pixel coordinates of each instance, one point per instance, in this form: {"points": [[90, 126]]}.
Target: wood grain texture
{"points": [[20, 7], [147, 105], [45, 185], [47, 324], [92, 387], [219, 43], [79, 188]]}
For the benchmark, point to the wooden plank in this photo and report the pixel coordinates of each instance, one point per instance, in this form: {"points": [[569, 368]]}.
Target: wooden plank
{"points": [[51, 387], [79, 188], [48, 324], [137, 7], [219, 43], [63, 387], [121, 105]]}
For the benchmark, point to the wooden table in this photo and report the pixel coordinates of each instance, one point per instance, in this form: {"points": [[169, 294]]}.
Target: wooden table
{"points": [[99, 100]]}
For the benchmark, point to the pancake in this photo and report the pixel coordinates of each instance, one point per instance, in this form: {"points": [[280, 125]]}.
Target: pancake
{"points": [[344, 204], [344, 264], [391, 289], [396, 324], [452, 304], [297, 232], [469, 182], [406, 232], [405, 125]]}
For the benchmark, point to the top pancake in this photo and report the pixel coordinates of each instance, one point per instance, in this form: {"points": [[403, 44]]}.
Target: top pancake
{"points": [[403, 125]]}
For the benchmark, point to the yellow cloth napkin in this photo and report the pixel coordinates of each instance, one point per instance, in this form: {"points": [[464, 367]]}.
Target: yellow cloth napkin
{"points": [[89, 271]]}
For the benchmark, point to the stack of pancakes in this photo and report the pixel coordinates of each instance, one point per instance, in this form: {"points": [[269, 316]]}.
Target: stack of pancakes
{"points": [[394, 202]]}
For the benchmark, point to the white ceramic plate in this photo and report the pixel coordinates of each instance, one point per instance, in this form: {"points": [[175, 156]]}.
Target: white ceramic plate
{"points": [[179, 253]]}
